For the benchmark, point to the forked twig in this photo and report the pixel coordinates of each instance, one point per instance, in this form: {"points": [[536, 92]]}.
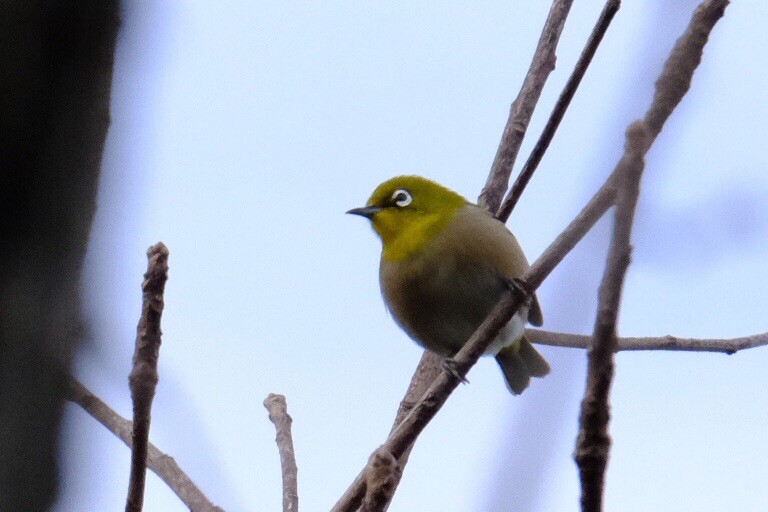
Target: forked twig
{"points": [[164, 466], [522, 108], [562, 104], [675, 80]]}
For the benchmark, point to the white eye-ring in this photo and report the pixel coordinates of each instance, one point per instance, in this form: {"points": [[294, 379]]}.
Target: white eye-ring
{"points": [[402, 198]]}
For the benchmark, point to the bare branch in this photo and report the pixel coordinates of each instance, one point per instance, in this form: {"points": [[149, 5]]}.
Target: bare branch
{"points": [[675, 78], [594, 443], [668, 342], [522, 108], [382, 475], [595, 38], [164, 466], [143, 378], [278, 414], [426, 372]]}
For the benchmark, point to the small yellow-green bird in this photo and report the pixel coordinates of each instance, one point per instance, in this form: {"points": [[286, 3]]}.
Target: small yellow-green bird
{"points": [[445, 263]]}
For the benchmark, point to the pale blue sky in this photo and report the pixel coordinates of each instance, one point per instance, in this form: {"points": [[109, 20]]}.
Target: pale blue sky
{"points": [[241, 133]]}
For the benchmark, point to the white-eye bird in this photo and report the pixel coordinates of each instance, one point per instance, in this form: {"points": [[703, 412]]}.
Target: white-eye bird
{"points": [[445, 263]]}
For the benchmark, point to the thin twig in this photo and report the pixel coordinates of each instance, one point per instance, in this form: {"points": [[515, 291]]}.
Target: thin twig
{"points": [[278, 414], [669, 342], [601, 27], [594, 442], [593, 445], [522, 108], [164, 466], [143, 378]]}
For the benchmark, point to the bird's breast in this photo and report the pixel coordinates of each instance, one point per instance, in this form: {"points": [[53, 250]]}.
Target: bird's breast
{"points": [[440, 299]]}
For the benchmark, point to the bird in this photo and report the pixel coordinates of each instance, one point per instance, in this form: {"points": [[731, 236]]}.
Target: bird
{"points": [[445, 263]]}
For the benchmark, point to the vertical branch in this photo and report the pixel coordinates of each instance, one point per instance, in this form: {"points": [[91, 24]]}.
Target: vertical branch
{"points": [[594, 442], [563, 101], [143, 378], [521, 111], [278, 414]]}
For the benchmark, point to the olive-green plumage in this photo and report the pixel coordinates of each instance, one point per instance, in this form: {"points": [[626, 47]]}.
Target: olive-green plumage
{"points": [[445, 263]]}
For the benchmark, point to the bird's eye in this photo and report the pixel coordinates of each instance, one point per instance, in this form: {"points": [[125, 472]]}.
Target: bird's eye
{"points": [[402, 198]]}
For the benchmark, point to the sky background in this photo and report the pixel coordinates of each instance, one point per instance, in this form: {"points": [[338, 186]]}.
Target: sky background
{"points": [[241, 133]]}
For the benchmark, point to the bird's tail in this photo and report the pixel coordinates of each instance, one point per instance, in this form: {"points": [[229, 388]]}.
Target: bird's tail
{"points": [[519, 362]]}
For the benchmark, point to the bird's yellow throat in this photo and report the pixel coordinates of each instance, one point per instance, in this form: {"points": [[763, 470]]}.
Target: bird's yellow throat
{"points": [[403, 237]]}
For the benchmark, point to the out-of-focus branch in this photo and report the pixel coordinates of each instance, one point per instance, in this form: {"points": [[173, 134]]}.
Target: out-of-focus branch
{"points": [[522, 108], [594, 443], [278, 414], [595, 38], [56, 61], [161, 464], [669, 342], [143, 378]]}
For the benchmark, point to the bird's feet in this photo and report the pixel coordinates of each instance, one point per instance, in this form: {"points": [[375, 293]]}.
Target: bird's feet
{"points": [[518, 287], [451, 367]]}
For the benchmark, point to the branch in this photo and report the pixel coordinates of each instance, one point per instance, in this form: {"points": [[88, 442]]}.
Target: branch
{"points": [[668, 342], [594, 443], [426, 372], [382, 476], [522, 108], [143, 378], [595, 38], [56, 78], [278, 414], [164, 466]]}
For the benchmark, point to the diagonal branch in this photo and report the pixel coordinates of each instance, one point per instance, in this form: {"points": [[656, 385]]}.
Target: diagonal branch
{"points": [[278, 414], [143, 378], [562, 104], [521, 111], [668, 342], [161, 464]]}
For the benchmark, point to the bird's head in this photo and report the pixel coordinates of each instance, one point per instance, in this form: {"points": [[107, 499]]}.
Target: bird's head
{"points": [[407, 211]]}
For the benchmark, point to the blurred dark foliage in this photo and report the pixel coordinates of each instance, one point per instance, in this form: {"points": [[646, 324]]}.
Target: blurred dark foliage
{"points": [[55, 76]]}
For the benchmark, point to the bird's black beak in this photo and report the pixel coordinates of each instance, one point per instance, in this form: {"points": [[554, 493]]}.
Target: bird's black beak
{"points": [[366, 211]]}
